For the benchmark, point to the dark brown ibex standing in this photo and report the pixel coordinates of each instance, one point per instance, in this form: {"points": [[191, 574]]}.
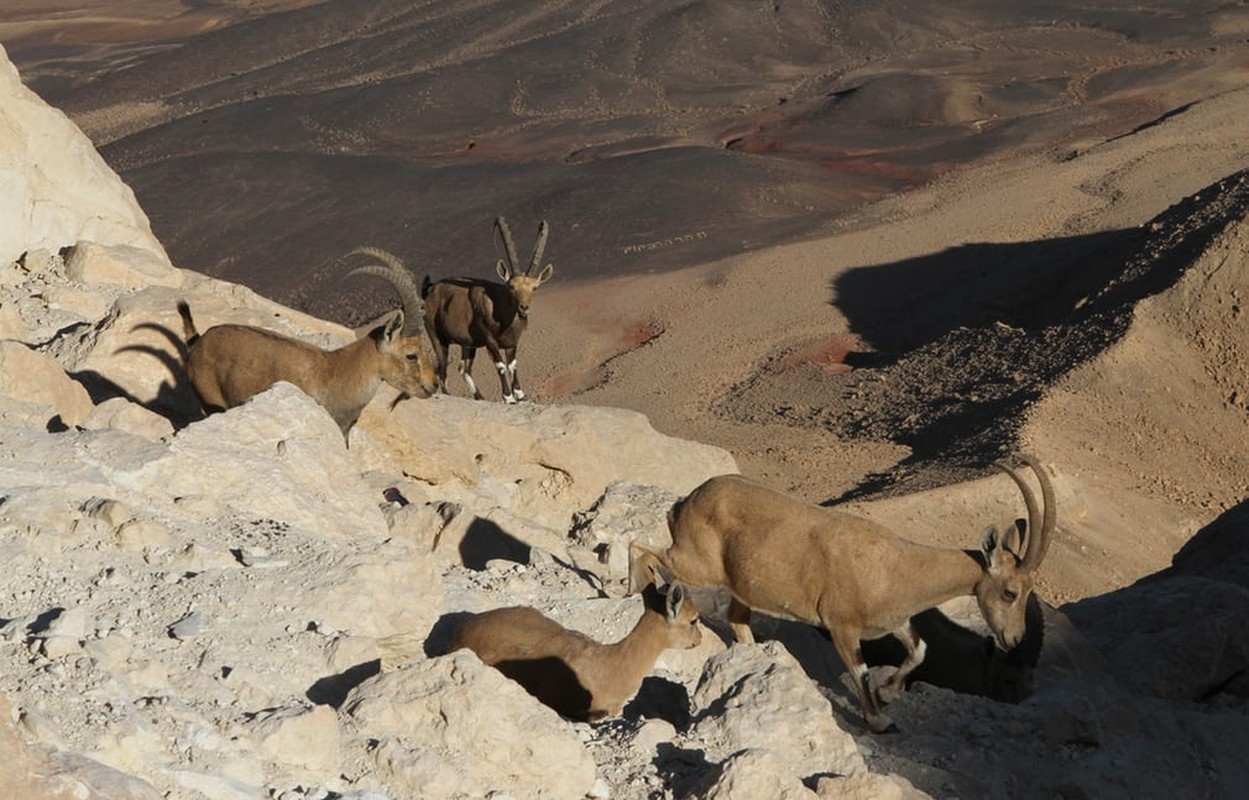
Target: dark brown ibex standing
{"points": [[473, 313]]}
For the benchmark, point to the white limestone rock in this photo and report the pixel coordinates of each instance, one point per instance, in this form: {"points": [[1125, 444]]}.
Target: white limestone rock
{"points": [[278, 456], [55, 189], [763, 700], [452, 726], [119, 265], [39, 383], [541, 462]]}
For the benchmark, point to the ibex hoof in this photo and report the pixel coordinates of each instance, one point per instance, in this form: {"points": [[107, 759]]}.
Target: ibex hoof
{"points": [[511, 401], [882, 724], [887, 693]]}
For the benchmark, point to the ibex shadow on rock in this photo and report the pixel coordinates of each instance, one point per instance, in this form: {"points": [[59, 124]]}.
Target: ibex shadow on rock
{"points": [[966, 661]]}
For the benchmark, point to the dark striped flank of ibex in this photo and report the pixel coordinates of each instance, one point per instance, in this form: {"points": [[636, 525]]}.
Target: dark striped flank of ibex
{"points": [[473, 313]]}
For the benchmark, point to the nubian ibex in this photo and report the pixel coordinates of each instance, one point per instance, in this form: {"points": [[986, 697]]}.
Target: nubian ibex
{"points": [[227, 364], [473, 313], [849, 575], [567, 670]]}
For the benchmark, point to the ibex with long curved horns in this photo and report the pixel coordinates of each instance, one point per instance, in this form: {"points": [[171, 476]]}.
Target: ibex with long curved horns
{"points": [[473, 313], [849, 575], [228, 364]]}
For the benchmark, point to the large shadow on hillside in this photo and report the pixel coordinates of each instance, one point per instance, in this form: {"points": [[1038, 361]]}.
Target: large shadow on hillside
{"points": [[958, 344]]}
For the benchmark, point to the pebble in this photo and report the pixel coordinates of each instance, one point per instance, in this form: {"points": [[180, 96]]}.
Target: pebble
{"points": [[57, 646], [71, 622], [188, 627]]}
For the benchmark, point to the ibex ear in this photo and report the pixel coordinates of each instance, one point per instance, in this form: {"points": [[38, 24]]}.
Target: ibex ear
{"points": [[989, 544], [675, 599], [391, 331], [658, 576], [504, 272], [545, 275], [1013, 539]]}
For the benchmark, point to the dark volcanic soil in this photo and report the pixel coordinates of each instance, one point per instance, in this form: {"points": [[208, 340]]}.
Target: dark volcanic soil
{"points": [[264, 140]]}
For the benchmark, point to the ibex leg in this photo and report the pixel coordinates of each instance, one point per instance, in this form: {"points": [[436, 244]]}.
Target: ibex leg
{"points": [[505, 376], [847, 643], [739, 621], [915, 649], [467, 354], [514, 376]]}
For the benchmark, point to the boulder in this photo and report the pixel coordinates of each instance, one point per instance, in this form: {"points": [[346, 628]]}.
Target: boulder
{"points": [[38, 382], [626, 512], [452, 726], [298, 736], [121, 265], [1180, 637], [278, 456], [755, 773], [30, 771], [375, 589], [123, 415], [55, 189], [541, 462], [757, 697]]}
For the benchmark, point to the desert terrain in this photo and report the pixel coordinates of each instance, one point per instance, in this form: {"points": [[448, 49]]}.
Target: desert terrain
{"points": [[860, 249], [866, 252]]}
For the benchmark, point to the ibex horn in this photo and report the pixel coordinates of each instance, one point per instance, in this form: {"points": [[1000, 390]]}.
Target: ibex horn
{"points": [[509, 246], [397, 275], [1040, 524], [538, 248]]}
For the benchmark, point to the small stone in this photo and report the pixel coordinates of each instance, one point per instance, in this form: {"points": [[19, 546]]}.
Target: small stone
{"points": [[58, 646], [137, 535], [188, 627], [652, 733], [256, 561], [72, 622], [599, 790], [114, 513]]}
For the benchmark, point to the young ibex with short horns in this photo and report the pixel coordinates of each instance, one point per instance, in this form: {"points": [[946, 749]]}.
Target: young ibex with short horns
{"points": [[850, 575], [227, 364], [570, 672], [473, 313]]}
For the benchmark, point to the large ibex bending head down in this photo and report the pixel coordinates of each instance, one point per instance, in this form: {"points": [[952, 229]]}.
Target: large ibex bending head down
{"points": [[228, 364], [847, 574]]}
